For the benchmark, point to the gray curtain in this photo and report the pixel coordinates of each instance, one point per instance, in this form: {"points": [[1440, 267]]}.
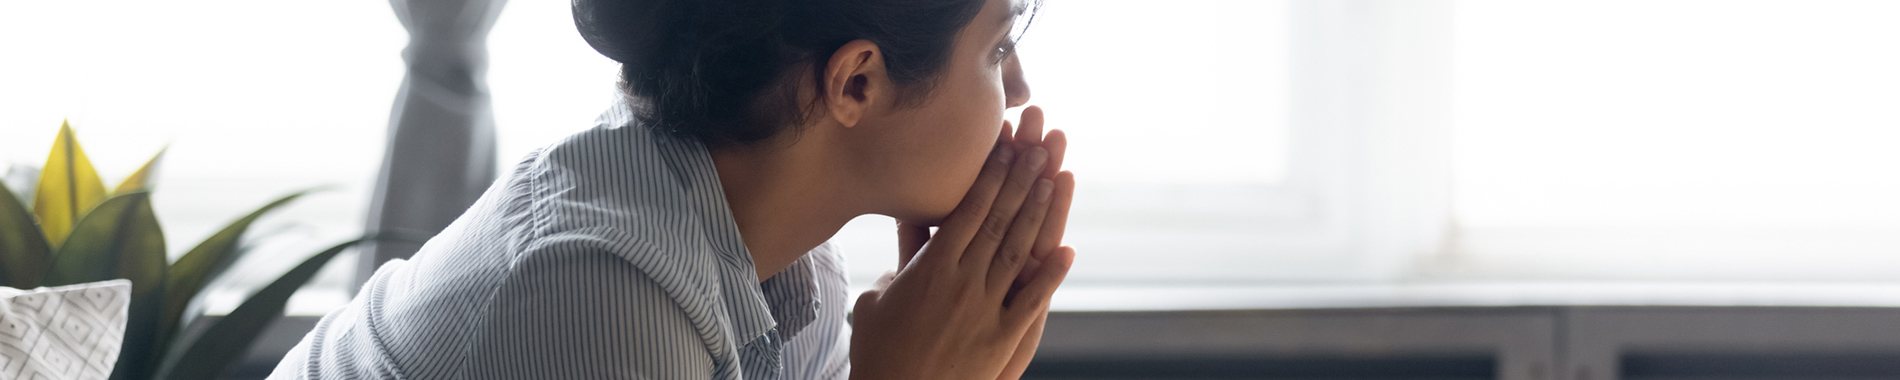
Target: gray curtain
{"points": [[441, 151]]}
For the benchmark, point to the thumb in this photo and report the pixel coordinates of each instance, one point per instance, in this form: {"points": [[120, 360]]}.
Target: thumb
{"points": [[884, 282], [910, 239], [866, 301]]}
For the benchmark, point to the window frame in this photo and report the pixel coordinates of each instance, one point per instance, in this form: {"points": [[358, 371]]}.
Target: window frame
{"points": [[1367, 193]]}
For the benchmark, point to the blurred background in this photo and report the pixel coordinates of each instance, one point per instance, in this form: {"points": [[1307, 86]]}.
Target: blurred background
{"points": [[1269, 188]]}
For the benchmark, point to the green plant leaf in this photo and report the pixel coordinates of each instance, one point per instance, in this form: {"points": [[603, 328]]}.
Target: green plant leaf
{"points": [[68, 187], [24, 254], [201, 264], [141, 179], [227, 340], [121, 239]]}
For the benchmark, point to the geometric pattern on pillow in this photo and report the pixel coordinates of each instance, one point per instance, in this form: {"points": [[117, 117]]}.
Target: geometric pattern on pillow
{"points": [[62, 333]]}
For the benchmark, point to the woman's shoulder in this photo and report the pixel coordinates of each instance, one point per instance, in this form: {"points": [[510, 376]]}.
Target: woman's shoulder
{"points": [[626, 190], [617, 176]]}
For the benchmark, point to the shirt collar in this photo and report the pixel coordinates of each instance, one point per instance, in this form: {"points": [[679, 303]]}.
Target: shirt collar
{"points": [[787, 299], [791, 296]]}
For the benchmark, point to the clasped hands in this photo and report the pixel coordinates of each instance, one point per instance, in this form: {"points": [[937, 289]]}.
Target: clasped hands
{"points": [[969, 300]]}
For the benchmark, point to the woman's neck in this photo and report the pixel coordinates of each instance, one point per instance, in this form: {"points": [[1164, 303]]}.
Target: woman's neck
{"points": [[785, 200]]}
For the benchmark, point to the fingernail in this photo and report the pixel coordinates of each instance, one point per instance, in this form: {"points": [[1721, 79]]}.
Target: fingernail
{"points": [[1043, 188], [1006, 155], [1037, 157]]}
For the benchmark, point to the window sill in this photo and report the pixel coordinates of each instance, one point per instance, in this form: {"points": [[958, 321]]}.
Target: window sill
{"points": [[1109, 297]]}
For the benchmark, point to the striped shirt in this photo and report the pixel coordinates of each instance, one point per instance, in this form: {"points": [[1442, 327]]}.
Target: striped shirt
{"points": [[609, 255]]}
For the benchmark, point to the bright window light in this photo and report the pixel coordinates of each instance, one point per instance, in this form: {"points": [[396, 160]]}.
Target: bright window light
{"points": [[255, 99], [1679, 138], [545, 81], [1177, 122]]}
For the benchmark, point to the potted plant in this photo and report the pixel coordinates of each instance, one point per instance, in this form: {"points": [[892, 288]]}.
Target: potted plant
{"points": [[77, 232]]}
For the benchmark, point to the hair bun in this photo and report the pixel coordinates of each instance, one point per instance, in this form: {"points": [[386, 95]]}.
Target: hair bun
{"points": [[716, 70], [623, 29]]}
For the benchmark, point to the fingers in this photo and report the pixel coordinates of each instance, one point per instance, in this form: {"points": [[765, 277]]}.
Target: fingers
{"points": [[1057, 222], [963, 222], [1025, 350], [1058, 145], [1009, 258], [910, 239], [1029, 271], [1008, 201], [1030, 133], [1003, 136], [1033, 301]]}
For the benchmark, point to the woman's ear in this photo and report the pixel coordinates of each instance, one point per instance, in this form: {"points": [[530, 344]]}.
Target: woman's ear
{"points": [[855, 81]]}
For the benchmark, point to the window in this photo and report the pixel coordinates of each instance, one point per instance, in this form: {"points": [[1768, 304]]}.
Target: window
{"points": [[255, 100], [1179, 146], [1146, 214], [1217, 142], [1681, 139], [545, 81], [1208, 175], [1224, 142]]}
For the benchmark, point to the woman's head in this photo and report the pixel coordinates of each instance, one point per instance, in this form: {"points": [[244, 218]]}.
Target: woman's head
{"points": [[914, 88]]}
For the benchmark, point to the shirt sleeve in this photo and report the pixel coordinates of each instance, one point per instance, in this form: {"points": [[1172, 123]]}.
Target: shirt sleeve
{"points": [[585, 315]]}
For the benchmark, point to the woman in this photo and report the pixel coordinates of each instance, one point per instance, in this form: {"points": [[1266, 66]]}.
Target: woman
{"points": [[683, 238]]}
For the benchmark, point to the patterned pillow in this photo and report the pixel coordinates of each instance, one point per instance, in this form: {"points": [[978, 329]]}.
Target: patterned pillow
{"points": [[62, 333]]}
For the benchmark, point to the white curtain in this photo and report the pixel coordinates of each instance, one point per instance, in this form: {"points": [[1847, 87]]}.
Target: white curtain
{"points": [[441, 151]]}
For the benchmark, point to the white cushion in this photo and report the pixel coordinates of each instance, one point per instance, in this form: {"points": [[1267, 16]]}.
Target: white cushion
{"points": [[69, 332]]}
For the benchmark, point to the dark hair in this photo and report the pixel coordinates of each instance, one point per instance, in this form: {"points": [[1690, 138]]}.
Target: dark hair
{"points": [[720, 70]]}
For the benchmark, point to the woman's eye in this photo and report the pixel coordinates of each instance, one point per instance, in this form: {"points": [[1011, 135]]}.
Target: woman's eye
{"points": [[1003, 51]]}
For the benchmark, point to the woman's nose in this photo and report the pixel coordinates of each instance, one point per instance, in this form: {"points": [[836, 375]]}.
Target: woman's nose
{"points": [[1015, 88]]}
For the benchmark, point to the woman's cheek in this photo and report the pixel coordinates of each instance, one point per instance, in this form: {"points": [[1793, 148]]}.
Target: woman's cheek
{"points": [[957, 170]]}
